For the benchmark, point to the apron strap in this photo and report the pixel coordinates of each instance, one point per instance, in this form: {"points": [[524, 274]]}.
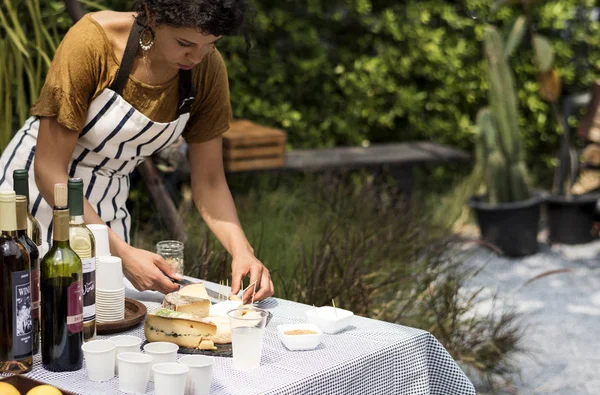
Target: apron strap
{"points": [[187, 90], [128, 57]]}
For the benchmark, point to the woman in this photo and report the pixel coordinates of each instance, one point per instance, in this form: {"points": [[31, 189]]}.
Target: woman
{"points": [[121, 87]]}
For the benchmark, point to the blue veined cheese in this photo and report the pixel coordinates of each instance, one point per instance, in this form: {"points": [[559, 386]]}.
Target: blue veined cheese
{"points": [[185, 330]]}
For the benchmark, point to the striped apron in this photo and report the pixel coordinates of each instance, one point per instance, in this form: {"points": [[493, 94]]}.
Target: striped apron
{"points": [[114, 141]]}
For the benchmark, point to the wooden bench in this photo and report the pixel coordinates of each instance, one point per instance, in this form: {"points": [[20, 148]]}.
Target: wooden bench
{"points": [[399, 159], [395, 154]]}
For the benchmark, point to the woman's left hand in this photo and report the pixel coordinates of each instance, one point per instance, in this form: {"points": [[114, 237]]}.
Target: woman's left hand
{"points": [[248, 264]]}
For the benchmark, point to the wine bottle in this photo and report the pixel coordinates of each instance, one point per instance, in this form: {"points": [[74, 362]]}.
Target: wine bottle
{"points": [[34, 261], [83, 243], [62, 299], [16, 327], [34, 232]]}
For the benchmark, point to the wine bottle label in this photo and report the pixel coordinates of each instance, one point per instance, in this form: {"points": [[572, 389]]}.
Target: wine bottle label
{"points": [[75, 308], [89, 289], [22, 322], [35, 293]]}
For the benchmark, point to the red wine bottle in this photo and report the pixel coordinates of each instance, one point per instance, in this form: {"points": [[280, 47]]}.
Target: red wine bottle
{"points": [[16, 327], [34, 233], [34, 260]]}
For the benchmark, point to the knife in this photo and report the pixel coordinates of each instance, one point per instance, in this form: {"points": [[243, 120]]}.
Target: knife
{"points": [[183, 282]]}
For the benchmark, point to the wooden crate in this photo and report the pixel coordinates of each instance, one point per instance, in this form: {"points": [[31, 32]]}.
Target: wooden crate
{"points": [[249, 146]]}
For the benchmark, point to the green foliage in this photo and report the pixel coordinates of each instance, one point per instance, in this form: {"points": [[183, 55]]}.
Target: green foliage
{"points": [[341, 72], [544, 55], [344, 71], [30, 31], [516, 36]]}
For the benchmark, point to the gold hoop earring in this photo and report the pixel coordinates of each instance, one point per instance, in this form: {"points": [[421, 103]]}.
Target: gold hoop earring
{"points": [[147, 38], [146, 43]]}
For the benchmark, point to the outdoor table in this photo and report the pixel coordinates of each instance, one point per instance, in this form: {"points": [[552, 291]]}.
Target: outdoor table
{"points": [[370, 357]]}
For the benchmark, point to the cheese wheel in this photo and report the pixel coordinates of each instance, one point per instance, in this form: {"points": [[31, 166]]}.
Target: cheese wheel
{"points": [[196, 290], [223, 335], [182, 329], [187, 304]]}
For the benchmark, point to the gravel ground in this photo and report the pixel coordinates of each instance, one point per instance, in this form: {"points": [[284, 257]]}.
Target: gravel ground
{"points": [[561, 310]]}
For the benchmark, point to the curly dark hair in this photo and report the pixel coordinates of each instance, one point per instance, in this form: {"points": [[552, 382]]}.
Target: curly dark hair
{"points": [[216, 17]]}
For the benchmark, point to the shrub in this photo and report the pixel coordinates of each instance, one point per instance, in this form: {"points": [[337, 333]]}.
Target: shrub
{"points": [[339, 72]]}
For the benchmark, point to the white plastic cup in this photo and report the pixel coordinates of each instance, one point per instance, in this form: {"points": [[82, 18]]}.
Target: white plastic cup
{"points": [[125, 343], [98, 356], [100, 232], [200, 374], [135, 371], [170, 378], [247, 335], [161, 352], [109, 274]]}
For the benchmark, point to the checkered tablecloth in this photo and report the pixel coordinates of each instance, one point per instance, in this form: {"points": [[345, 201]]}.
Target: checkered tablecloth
{"points": [[371, 357]]}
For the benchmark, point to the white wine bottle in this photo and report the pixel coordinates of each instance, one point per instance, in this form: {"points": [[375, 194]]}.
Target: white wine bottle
{"points": [[34, 233], [62, 299], [83, 243], [16, 327]]}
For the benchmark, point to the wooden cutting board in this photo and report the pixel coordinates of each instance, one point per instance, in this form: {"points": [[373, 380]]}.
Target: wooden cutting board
{"points": [[135, 312]]}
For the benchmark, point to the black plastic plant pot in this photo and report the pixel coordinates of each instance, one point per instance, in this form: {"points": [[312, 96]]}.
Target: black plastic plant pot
{"points": [[512, 227], [571, 220]]}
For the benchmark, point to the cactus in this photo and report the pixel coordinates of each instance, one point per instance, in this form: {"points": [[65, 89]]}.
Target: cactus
{"points": [[500, 144]]}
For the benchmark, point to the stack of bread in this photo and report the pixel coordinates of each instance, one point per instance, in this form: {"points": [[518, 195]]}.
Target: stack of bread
{"points": [[188, 319]]}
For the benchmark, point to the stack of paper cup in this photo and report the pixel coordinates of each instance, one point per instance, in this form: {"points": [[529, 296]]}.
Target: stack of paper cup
{"points": [[110, 292]]}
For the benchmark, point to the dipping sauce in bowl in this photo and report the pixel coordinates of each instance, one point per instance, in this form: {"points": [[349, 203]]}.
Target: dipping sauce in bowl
{"points": [[300, 332], [297, 337]]}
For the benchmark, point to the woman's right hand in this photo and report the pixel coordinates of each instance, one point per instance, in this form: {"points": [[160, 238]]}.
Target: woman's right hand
{"points": [[148, 271]]}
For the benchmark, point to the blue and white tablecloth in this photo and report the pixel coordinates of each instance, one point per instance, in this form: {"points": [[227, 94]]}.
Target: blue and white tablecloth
{"points": [[371, 357]]}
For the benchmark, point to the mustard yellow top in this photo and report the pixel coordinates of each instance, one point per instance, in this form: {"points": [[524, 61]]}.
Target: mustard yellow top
{"points": [[85, 64]]}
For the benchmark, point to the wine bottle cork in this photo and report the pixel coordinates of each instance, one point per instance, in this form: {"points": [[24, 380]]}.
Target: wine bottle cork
{"points": [[8, 211], [7, 196], [61, 194], [21, 202]]}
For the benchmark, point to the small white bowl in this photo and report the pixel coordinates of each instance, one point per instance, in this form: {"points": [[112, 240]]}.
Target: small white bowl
{"points": [[330, 320], [299, 342]]}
